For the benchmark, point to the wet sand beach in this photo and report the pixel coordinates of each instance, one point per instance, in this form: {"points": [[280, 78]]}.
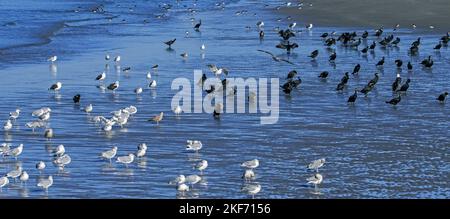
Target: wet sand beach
{"points": [[373, 14], [372, 149]]}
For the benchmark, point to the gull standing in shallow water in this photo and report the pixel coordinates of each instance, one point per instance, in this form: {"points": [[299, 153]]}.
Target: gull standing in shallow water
{"points": [[202, 165], [24, 177], [56, 87], [193, 179], [59, 151], [46, 183], [14, 115], [181, 179], [3, 182], [109, 154], [88, 108], [194, 145], [48, 134], [15, 152], [52, 59], [316, 179], [252, 189], [248, 175], [251, 164], [62, 161], [8, 125], [40, 166], [126, 159], [183, 188], [15, 173], [316, 164]]}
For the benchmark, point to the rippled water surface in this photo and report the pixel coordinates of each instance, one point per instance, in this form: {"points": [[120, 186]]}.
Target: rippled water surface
{"points": [[373, 150]]}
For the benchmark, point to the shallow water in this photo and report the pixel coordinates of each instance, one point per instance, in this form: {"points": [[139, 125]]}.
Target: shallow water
{"points": [[373, 150]]}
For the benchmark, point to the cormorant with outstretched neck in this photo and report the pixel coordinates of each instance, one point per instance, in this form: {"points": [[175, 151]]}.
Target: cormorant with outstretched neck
{"points": [[374, 80], [356, 69], [395, 101], [324, 35], [367, 89], [416, 43]]}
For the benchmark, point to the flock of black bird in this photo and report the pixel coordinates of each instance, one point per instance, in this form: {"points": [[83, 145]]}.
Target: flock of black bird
{"points": [[351, 40]]}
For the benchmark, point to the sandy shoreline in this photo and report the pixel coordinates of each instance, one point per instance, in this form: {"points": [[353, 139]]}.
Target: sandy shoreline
{"points": [[374, 14]]}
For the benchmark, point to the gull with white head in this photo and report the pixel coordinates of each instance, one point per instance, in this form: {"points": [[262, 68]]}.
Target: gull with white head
{"points": [[251, 164], [193, 145], [109, 154], [126, 159]]}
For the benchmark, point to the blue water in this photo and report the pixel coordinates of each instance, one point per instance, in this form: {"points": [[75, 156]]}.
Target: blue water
{"points": [[373, 150]]}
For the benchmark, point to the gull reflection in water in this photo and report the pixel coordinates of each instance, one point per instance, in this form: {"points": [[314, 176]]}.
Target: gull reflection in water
{"points": [[53, 68]]}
